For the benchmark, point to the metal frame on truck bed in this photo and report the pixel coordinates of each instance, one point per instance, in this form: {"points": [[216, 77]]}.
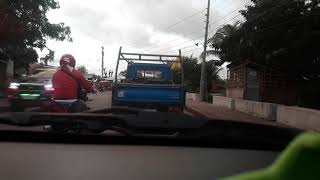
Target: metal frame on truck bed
{"points": [[161, 58]]}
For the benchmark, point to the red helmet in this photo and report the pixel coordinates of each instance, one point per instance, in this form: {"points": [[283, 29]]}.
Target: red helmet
{"points": [[67, 59]]}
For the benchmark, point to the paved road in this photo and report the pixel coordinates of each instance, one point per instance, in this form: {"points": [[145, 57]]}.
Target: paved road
{"points": [[100, 100], [222, 113]]}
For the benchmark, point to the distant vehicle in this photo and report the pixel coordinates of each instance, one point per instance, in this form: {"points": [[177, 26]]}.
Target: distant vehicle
{"points": [[149, 85], [29, 94], [31, 91], [105, 85]]}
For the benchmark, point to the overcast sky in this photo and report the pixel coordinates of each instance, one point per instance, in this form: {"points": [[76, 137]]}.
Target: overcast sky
{"points": [[151, 26]]}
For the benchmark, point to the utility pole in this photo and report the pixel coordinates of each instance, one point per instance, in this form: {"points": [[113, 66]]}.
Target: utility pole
{"points": [[102, 63], [203, 82]]}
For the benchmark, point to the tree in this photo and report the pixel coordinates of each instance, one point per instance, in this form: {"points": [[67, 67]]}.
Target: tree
{"points": [[212, 72], [217, 39], [192, 72], [276, 34], [123, 73], [29, 27], [282, 35], [83, 70], [48, 58]]}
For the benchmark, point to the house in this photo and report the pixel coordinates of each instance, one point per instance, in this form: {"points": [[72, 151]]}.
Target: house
{"points": [[255, 82]]}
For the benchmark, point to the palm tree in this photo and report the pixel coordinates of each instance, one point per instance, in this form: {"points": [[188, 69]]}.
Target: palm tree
{"points": [[212, 73], [217, 39]]}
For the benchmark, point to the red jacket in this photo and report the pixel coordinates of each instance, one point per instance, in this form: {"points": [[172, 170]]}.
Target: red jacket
{"points": [[65, 87]]}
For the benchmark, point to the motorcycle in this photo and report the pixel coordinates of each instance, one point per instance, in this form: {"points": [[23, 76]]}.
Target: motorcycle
{"points": [[64, 106]]}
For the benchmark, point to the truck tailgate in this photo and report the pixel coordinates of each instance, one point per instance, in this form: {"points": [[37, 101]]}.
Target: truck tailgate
{"points": [[149, 93]]}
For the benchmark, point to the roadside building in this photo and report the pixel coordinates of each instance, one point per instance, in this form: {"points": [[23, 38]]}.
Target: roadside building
{"points": [[6, 72], [40, 73], [255, 82]]}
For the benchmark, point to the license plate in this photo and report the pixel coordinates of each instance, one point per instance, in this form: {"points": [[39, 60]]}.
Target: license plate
{"points": [[30, 96]]}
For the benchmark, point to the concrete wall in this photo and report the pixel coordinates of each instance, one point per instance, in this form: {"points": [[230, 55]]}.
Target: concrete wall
{"points": [[299, 117], [193, 96], [235, 92], [223, 102], [259, 109]]}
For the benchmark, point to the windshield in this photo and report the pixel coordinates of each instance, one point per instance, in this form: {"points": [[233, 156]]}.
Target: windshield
{"points": [[244, 61], [149, 74]]}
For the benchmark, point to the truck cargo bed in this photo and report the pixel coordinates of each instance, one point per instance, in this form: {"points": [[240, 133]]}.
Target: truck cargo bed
{"points": [[148, 94]]}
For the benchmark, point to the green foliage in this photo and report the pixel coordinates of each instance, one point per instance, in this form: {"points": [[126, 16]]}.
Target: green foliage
{"points": [[24, 56], [123, 73], [282, 35], [192, 73], [278, 34], [83, 70], [31, 19], [218, 38], [48, 58]]}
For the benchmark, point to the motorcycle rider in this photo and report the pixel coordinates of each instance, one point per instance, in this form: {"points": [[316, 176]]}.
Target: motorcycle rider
{"points": [[68, 83]]}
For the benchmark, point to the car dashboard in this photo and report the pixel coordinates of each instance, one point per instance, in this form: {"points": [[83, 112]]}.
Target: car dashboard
{"points": [[38, 161]]}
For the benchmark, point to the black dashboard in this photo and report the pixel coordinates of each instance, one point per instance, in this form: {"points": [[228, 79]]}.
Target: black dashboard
{"points": [[136, 148], [39, 161]]}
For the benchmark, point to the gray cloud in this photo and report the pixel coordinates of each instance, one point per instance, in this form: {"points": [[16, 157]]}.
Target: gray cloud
{"points": [[128, 22]]}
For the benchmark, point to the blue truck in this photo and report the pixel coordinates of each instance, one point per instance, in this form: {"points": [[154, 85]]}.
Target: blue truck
{"points": [[150, 82]]}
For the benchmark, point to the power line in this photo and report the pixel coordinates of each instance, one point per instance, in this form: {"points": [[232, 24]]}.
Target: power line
{"points": [[229, 21], [179, 22], [152, 47], [193, 50], [177, 49], [199, 36], [210, 26], [181, 43], [224, 23], [213, 30], [235, 10], [196, 37]]}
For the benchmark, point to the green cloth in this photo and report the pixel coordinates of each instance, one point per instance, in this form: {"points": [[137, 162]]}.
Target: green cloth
{"points": [[300, 161]]}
